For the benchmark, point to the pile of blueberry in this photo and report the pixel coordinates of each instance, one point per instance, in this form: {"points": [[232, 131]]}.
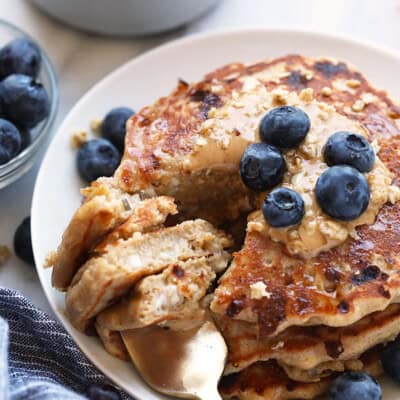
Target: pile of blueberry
{"points": [[341, 191], [101, 157], [24, 102]]}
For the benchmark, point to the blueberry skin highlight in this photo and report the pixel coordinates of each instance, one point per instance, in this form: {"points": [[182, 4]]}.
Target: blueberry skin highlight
{"points": [[25, 101], [21, 56], [283, 207], [113, 126], [284, 127], [355, 385], [342, 192], [262, 167], [10, 141], [96, 158], [350, 149]]}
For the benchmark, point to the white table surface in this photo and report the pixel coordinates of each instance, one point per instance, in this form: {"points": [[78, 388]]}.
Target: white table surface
{"points": [[81, 60]]}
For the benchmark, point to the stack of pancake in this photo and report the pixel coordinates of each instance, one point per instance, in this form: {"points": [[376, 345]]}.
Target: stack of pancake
{"points": [[293, 323], [292, 319]]}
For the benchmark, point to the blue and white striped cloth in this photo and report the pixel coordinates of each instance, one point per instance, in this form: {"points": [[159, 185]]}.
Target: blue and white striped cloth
{"points": [[38, 359]]}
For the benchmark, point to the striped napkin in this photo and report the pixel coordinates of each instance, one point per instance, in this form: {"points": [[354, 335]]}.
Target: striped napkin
{"points": [[38, 359]]}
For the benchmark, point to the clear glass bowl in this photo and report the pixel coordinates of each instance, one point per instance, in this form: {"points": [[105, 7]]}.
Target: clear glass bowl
{"points": [[21, 164]]}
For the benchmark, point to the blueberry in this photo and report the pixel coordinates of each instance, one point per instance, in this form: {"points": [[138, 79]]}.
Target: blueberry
{"points": [[10, 141], [25, 101], [284, 127], [23, 242], [113, 126], [262, 167], [350, 149], [342, 192], [97, 157], [355, 385], [391, 360], [283, 207], [21, 56], [102, 392]]}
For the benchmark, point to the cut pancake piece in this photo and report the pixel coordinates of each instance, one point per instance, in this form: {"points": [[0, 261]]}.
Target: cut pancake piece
{"points": [[105, 207], [112, 342], [118, 265], [171, 298], [306, 348], [267, 380]]}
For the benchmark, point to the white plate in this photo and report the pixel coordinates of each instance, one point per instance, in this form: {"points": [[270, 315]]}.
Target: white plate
{"points": [[140, 82]]}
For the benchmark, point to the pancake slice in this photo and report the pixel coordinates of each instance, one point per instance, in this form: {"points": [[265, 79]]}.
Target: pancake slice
{"points": [[112, 342], [118, 265], [104, 208], [171, 298]]}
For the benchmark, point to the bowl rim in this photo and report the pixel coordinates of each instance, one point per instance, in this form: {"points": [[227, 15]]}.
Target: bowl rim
{"points": [[14, 168]]}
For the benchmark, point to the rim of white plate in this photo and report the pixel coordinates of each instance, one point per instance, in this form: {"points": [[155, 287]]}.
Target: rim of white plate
{"points": [[165, 48]]}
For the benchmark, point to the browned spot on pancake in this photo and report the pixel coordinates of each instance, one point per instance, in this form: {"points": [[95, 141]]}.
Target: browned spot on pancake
{"points": [[271, 312], [332, 276], [291, 385], [328, 69], [367, 274], [257, 377], [344, 307], [178, 271], [388, 221], [334, 348], [297, 80], [90, 329], [235, 307], [384, 292], [145, 122], [236, 132]]}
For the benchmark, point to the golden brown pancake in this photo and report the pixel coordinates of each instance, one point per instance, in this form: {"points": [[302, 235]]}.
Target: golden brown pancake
{"points": [[266, 380], [305, 348]]}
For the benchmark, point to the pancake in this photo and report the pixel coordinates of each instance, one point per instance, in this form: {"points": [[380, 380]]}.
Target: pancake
{"points": [[112, 342], [169, 148], [103, 209], [336, 288], [267, 380], [117, 265], [171, 298], [305, 348], [202, 140]]}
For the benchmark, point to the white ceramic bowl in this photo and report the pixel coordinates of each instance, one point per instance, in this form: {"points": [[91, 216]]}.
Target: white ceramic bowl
{"points": [[125, 17]]}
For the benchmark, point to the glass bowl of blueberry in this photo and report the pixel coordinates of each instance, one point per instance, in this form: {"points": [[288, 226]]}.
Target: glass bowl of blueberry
{"points": [[28, 102]]}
